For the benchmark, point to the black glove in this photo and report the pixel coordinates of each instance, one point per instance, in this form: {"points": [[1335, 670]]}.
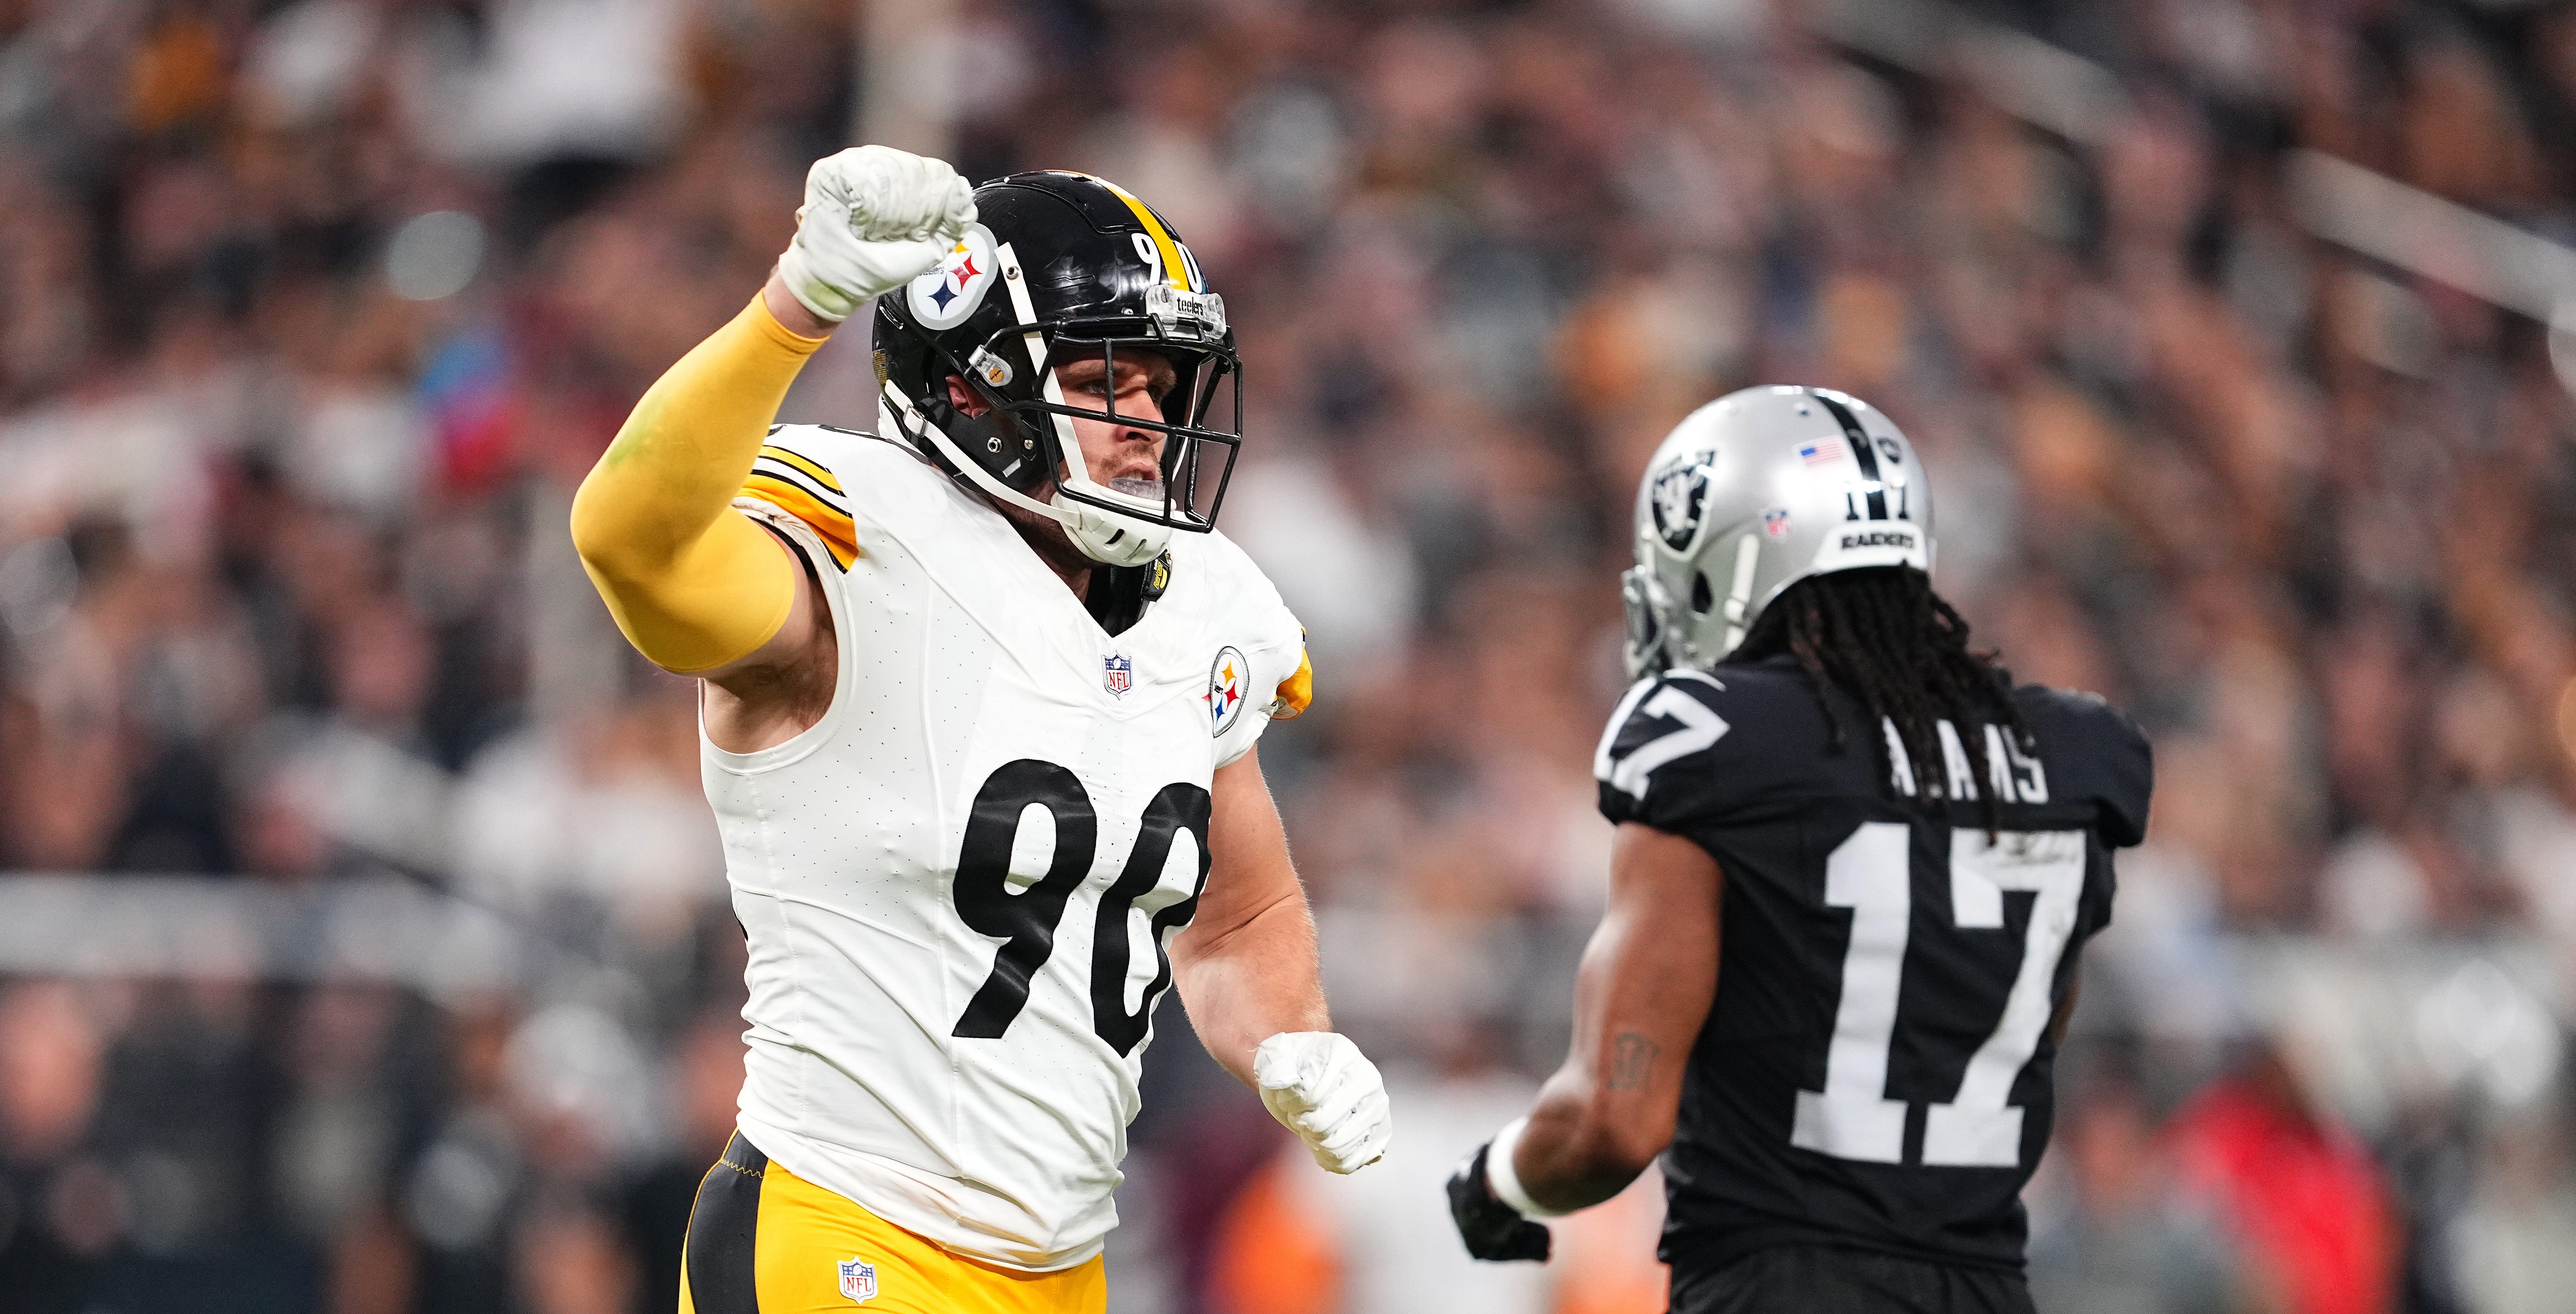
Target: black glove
{"points": [[1491, 1229]]}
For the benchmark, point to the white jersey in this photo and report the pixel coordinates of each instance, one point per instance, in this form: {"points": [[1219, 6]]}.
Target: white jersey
{"points": [[959, 886]]}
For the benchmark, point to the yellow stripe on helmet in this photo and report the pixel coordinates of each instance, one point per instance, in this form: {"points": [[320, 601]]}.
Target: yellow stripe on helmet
{"points": [[1177, 265]]}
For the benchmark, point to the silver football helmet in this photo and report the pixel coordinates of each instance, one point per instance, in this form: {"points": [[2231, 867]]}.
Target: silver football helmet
{"points": [[1752, 493]]}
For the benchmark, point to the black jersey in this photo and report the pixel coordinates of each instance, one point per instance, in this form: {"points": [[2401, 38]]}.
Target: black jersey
{"points": [[1874, 1072]]}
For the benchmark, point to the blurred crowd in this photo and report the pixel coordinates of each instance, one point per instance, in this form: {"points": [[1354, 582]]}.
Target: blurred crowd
{"points": [[312, 313]]}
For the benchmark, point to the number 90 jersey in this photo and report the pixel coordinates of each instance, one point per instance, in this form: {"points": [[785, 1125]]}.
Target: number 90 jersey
{"points": [[1875, 1070], [959, 885]]}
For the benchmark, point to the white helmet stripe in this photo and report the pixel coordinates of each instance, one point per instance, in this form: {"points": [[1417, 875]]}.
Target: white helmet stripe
{"points": [[1027, 313], [1748, 554]]}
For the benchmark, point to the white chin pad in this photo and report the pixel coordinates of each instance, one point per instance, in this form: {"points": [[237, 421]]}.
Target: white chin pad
{"points": [[1112, 540]]}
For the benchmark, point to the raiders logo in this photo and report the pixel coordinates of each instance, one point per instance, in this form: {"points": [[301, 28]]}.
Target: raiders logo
{"points": [[1680, 498]]}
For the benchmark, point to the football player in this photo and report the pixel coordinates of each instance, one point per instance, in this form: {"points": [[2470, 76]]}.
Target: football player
{"points": [[980, 693], [1854, 866]]}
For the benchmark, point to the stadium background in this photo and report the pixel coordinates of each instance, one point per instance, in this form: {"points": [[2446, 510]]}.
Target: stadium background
{"points": [[363, 950]]}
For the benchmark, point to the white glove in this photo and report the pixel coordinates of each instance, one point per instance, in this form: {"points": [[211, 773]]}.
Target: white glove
{"points": [[874, 219], [1319, 1085]]}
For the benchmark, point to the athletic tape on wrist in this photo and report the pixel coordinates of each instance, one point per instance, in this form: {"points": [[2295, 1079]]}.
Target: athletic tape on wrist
{"points": [[1505, 1181]]}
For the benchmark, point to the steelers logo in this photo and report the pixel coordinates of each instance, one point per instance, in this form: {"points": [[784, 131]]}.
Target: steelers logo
{"points": [[1229, 689], [945, 296]]}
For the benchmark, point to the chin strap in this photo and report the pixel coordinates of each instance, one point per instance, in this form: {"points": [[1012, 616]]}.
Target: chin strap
{"points": [[1092, 533], [920, 432], [1067, 445]]}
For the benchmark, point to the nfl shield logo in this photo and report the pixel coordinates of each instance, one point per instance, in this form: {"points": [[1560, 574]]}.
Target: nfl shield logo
{"points": [[858, 1279], [1117, 673]]}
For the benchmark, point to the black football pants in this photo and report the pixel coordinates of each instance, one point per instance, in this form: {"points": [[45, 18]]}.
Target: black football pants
{"points": [[1823, 1280]]}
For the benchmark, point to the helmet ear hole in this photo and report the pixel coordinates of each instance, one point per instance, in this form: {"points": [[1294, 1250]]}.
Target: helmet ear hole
{"points": [[1702, 596]]}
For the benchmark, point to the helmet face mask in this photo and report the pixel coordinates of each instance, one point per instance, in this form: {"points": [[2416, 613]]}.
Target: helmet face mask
{"points": [[1072, 268], [1180, 417], [1752, 493]]}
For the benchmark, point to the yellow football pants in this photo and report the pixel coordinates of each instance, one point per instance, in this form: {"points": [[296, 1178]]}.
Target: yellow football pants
{"points": [[764, 1241]]}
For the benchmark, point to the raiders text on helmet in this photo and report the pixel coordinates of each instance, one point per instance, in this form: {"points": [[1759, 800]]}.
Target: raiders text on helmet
{"points": [[1752, 493], [1063, 264]]}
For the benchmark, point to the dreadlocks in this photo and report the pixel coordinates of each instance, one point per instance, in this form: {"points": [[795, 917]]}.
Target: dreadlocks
{"points": [[1893, 643]]}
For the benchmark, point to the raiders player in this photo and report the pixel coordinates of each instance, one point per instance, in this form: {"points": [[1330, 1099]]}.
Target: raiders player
{"points": [[979, 704], [1853, 868]]}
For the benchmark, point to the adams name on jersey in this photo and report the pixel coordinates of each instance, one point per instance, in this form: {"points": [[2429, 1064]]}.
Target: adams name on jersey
{"points": [[1875, 1069], [960, 884]]}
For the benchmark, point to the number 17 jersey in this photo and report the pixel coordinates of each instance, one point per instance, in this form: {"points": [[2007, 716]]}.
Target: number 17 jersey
{"points": [[1874, 1072]]}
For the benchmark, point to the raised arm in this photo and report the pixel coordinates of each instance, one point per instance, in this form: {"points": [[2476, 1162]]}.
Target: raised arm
{"points": [[695, 587]]}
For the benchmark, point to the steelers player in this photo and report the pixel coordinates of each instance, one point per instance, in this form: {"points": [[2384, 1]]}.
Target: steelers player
{"points": [[980, 694], [1854, 866]]}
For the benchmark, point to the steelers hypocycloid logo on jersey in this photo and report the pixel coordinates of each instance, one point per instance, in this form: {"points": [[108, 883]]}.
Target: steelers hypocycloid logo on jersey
{"points": [[945, 296], [1229, 689]]}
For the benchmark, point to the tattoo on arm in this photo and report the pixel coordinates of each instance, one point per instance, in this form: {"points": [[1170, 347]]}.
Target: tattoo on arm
{"points": [[1632, 1059]]}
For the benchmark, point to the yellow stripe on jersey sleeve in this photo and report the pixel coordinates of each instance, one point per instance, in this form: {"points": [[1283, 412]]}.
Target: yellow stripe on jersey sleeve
{"points": [[838, 532], [786, 457], [1296, 691]]}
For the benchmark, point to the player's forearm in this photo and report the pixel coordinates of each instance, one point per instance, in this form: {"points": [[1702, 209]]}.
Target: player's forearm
{"points": [[1579, 1149], [1259, 979], [687, 446], [1640, 997], [691, 584]]}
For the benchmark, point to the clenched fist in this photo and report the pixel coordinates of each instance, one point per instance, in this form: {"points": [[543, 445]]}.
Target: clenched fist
{"points": [[1319, 1085], [874, 219], [1491, 1228]]}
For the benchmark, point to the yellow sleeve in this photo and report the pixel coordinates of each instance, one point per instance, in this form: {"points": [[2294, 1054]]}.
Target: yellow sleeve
{"points": [[1297, 692], [694, 584]]}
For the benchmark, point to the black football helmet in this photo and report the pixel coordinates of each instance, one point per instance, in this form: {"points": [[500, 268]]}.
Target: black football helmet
{"points": [[1063, 264]]}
